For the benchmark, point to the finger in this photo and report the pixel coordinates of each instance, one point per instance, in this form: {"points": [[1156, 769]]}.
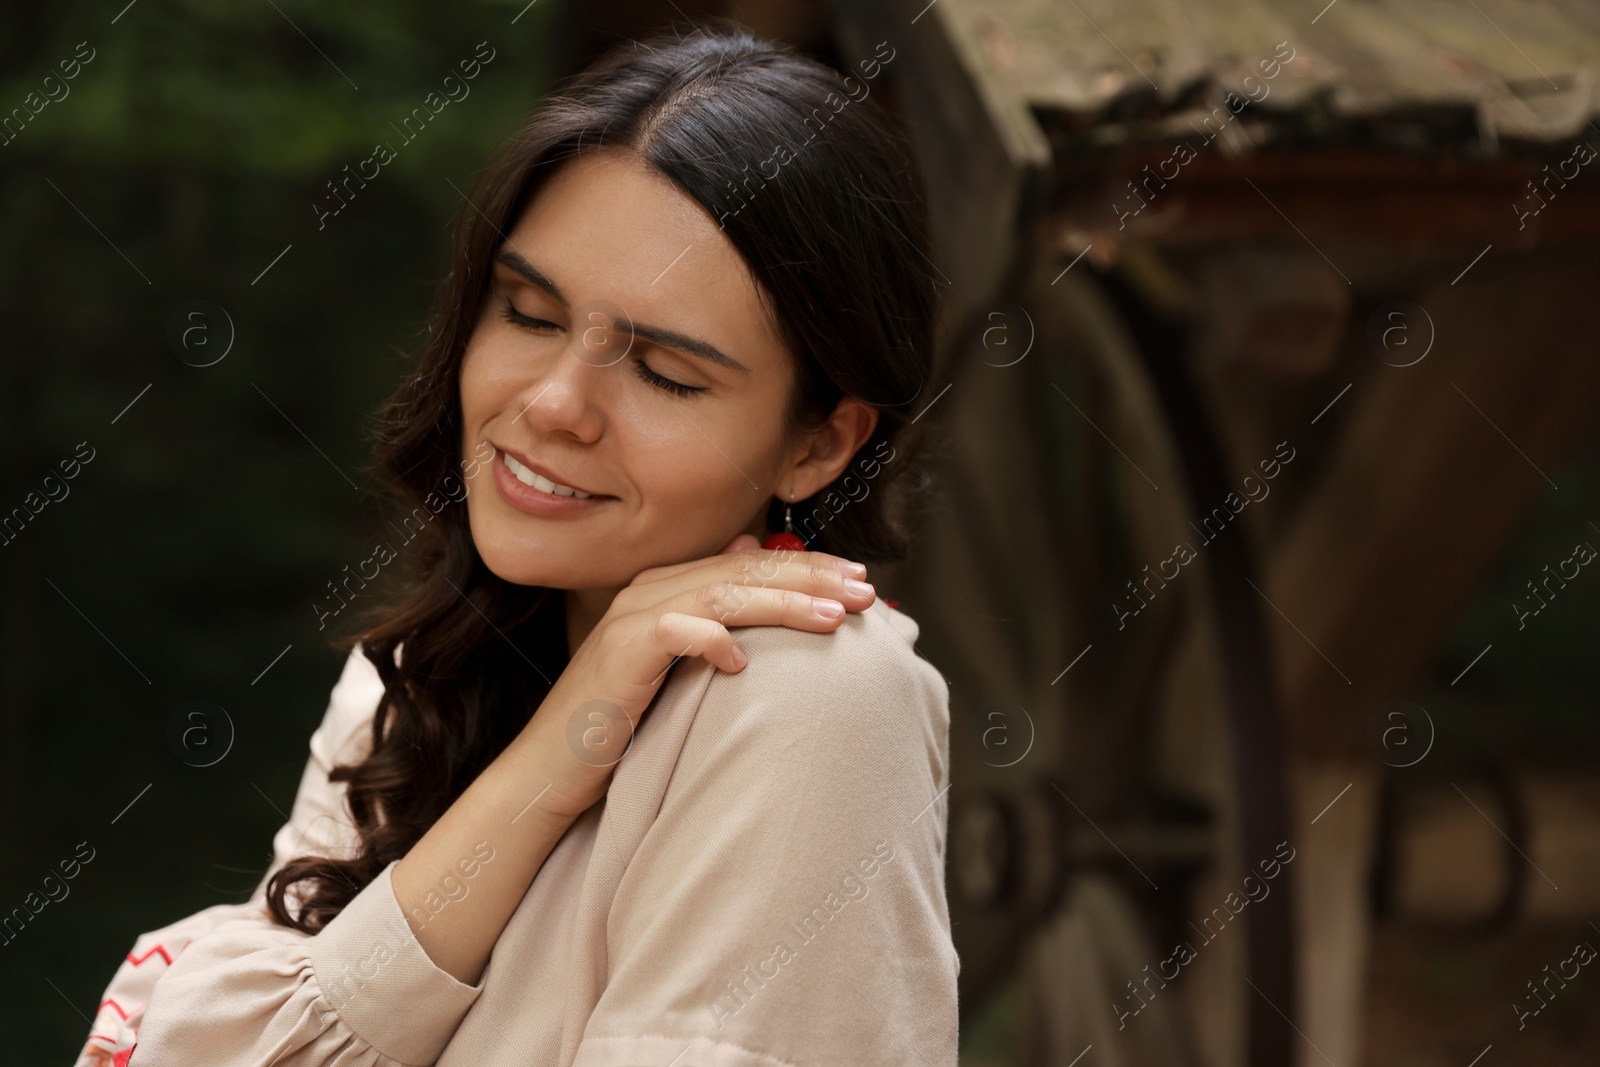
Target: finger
{"points": [[802, 572], [677, 633], [847, 566], [808, 572], [742, 543], [669, 571], [731, 604], [821, 559]]}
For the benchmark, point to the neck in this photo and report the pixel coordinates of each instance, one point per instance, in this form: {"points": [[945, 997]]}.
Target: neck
{"points": [[584, 608]]}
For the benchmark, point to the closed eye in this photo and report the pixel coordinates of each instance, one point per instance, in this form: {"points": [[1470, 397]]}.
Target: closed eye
{"points": [[528, 322], [661, 382], [511, 314]]}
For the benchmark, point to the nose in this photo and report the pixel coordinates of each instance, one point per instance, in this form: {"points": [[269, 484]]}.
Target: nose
{"points": [[568, 398], [562, 401]]}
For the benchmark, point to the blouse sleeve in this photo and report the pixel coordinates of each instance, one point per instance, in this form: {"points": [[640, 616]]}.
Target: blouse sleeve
{"points": [[229, 987], [787, 906]]}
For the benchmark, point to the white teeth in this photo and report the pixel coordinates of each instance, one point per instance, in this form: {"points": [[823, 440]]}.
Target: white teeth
{"points": [[528, 477]]}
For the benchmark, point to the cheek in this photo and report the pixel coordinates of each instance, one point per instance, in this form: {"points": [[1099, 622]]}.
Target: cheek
{"points": [[484, 379], [701, 471], [477, 407], [487, 387], [682, 460]]}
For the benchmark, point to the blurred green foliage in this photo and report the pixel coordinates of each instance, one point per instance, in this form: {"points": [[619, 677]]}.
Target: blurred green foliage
{"points": [[1531, 698], [181, 160]]}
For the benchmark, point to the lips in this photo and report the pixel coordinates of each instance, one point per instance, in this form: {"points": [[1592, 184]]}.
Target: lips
{"points": [[559, 502], [542, 478]]}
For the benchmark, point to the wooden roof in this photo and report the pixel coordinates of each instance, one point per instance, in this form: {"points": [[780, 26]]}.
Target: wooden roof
{"points": [[1509, 70]]}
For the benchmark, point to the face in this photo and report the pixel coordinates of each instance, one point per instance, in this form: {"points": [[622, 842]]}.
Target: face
{"points": [[624, 351]]}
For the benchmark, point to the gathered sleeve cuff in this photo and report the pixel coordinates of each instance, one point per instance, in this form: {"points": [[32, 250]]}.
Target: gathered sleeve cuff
{"points": [[361, 993]]}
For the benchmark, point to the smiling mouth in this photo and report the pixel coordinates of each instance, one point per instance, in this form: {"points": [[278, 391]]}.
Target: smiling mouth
{"points": [[539, 482]]}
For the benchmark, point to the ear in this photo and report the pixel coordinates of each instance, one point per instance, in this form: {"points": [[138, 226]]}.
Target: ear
{"points": [[828, 449]]}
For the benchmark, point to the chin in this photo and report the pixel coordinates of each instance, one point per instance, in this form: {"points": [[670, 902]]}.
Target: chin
{"points": [[523, 561], [520, 560], [519, 570], [517, 561]]}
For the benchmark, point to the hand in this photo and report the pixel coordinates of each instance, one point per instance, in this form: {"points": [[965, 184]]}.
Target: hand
{"points": [[586, 723]]}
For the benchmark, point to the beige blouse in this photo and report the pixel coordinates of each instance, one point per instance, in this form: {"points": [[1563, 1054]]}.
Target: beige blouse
{"points": [[762, 886]]}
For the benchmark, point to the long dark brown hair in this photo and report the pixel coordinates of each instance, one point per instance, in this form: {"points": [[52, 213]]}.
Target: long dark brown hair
{"points": [[816, 188]]}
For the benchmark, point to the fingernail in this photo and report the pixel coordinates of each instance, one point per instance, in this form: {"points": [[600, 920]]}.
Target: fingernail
{"points": [[852, 567], [739, 658], [827, 609], [859, 588]]}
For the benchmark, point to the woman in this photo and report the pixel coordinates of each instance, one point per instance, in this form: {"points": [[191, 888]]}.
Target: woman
{"points": [[689, 307]]}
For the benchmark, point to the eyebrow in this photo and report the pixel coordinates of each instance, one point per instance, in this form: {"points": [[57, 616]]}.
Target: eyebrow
{"points": [[655, 334], [533, 274]]}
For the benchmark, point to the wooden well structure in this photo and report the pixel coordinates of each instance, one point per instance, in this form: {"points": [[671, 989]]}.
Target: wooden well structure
{"points": [[1188, 244]]}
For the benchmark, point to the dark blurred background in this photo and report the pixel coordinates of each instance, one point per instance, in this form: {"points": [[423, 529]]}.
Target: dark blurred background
{"points": [[185, 557], [172, 308]]}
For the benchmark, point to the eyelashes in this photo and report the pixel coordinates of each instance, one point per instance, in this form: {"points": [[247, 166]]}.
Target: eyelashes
{"points": [[512, 315], [661, 382], [528, 322]]}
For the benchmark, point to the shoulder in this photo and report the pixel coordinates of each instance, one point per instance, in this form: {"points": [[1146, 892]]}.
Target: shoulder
{"points": [[858, 697], [879, 631], [798, 794], [871, 655], [345, 733]]}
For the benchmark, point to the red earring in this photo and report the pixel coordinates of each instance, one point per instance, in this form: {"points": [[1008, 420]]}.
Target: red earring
{"points": [[788, 538], [791, 540]]}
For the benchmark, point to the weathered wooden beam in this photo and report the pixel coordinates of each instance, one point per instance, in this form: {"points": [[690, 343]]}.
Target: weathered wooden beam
{"points": [[1338, 194], [1436, 468]]}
